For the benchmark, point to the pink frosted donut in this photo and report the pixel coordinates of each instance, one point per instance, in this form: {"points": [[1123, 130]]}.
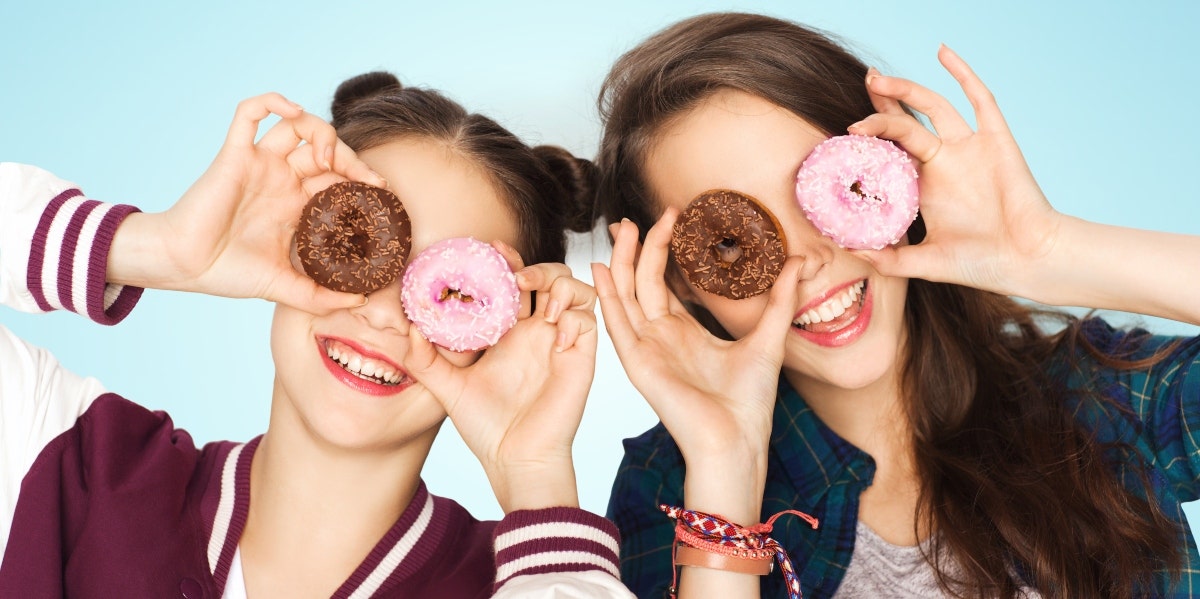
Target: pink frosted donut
{"points": [[461, 294], [860, 191]]}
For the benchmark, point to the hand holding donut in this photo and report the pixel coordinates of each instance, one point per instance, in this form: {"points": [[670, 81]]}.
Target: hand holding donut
{"points": [[231, 232], [986, 219], [518, 407], [716, 397]]}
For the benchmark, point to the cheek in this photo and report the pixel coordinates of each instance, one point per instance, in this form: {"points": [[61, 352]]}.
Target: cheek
{"points": [[738, 317]]}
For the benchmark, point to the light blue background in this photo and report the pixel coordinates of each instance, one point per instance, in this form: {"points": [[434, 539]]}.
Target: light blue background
{"points": [[131, 100]]}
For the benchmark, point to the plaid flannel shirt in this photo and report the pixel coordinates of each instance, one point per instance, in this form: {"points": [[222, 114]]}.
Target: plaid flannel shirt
{"points": [[813, 470]]}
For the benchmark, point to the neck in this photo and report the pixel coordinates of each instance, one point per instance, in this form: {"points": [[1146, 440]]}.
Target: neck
{"points": [[871, 418], [320, 508]]}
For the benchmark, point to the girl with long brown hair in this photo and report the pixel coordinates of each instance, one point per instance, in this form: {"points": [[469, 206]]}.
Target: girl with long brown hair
{"points": [[101, 497], [950, 440]]}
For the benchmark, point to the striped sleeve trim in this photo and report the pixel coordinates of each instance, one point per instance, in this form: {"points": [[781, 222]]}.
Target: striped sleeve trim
{"points": [[554, 540], [69, 257]]}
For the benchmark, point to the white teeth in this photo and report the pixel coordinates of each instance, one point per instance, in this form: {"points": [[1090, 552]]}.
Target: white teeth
{"points": [[838, 309], [832, 307], [364, 368], [825, 312]]}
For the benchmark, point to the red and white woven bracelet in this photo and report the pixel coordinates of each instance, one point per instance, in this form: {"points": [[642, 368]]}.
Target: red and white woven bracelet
{"points": [[732, 547]]}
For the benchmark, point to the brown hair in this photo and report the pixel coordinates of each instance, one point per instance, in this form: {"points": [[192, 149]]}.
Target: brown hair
{"points": [[547, 189], [1017, 491]]}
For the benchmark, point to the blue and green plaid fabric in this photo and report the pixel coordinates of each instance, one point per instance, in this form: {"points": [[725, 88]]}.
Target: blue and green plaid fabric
{"points": [[813, 470]]}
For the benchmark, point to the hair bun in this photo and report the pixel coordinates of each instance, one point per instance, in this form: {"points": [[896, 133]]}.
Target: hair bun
{"points": [[359, 88], [578, 178]]}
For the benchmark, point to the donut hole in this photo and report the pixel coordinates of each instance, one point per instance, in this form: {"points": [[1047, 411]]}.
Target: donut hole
{"points": [[449, 293], [728, 251], [856, 188]]}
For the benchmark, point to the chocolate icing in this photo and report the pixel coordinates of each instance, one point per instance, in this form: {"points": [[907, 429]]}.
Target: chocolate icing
{"points": [[728, 244], [353, 237]]}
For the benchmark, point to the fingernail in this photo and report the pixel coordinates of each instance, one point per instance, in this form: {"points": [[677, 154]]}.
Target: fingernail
{"points": [[858, 125], [522, 278], [559, 342], [297, 106], [552, 310], [328, 159]]}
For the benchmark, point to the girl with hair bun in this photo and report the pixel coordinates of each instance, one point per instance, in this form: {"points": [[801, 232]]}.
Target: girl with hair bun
{"points": [[938, 437], [100, 497]]}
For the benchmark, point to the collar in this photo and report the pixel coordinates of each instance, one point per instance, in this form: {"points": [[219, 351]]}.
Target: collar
{"points": [[812, 456], [394, 558]]}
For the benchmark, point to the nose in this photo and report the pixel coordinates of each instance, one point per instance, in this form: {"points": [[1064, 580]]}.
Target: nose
{"points": [[383, 310], [817, 250]]}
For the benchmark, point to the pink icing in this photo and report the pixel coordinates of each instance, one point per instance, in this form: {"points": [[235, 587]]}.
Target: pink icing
{"points": [[860, 191], [472, 268]]}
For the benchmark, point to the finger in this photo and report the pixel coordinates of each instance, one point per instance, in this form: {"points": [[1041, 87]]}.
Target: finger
{"points": [[515, 262], [882, 104], [251, 111], [303, 293], [621, 271], [616, 321], [902, 129], [347, 162], [942, 115], [651, 286], [557, 289], [568, 293], [987, 112], [304, 163], [776, 320], [540, 277], [572, 325], [283, 137], [315, 184], [431, 369]]}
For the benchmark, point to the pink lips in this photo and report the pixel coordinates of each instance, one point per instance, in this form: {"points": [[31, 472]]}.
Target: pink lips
{"points": [[359, 384], [847, 334]]}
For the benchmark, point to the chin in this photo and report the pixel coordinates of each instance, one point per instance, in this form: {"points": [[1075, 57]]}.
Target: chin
{"points": [[344, 419]]}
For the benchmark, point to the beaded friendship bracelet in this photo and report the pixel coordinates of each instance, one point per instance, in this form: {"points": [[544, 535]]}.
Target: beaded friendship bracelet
{"points": [[711, 541]]}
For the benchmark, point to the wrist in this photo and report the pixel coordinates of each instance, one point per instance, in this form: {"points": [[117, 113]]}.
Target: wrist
{"points": [[532, 486], [730, 484], [135, 257]]}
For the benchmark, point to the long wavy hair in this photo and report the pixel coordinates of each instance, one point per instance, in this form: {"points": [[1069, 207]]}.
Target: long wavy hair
{"points": [[1017, 491]]}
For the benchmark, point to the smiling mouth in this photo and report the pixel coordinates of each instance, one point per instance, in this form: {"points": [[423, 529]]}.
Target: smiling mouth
{"points": [[367, 369], [836, 312]]}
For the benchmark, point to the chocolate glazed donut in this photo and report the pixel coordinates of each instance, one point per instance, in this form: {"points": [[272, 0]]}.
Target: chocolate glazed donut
{"points": [[728, 244], [353, 237]]}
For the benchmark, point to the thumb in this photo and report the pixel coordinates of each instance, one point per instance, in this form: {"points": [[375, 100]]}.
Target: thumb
{"points": [[423, 362], [303, 293], [776, 321], [910, 261]]}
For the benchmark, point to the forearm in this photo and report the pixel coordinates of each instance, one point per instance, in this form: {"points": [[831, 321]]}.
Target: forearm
{"points": [[1119, 268]]}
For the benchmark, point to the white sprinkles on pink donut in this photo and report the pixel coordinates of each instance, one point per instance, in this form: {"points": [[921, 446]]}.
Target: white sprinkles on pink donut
{"points": [[461, 294], [860, 191]]}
